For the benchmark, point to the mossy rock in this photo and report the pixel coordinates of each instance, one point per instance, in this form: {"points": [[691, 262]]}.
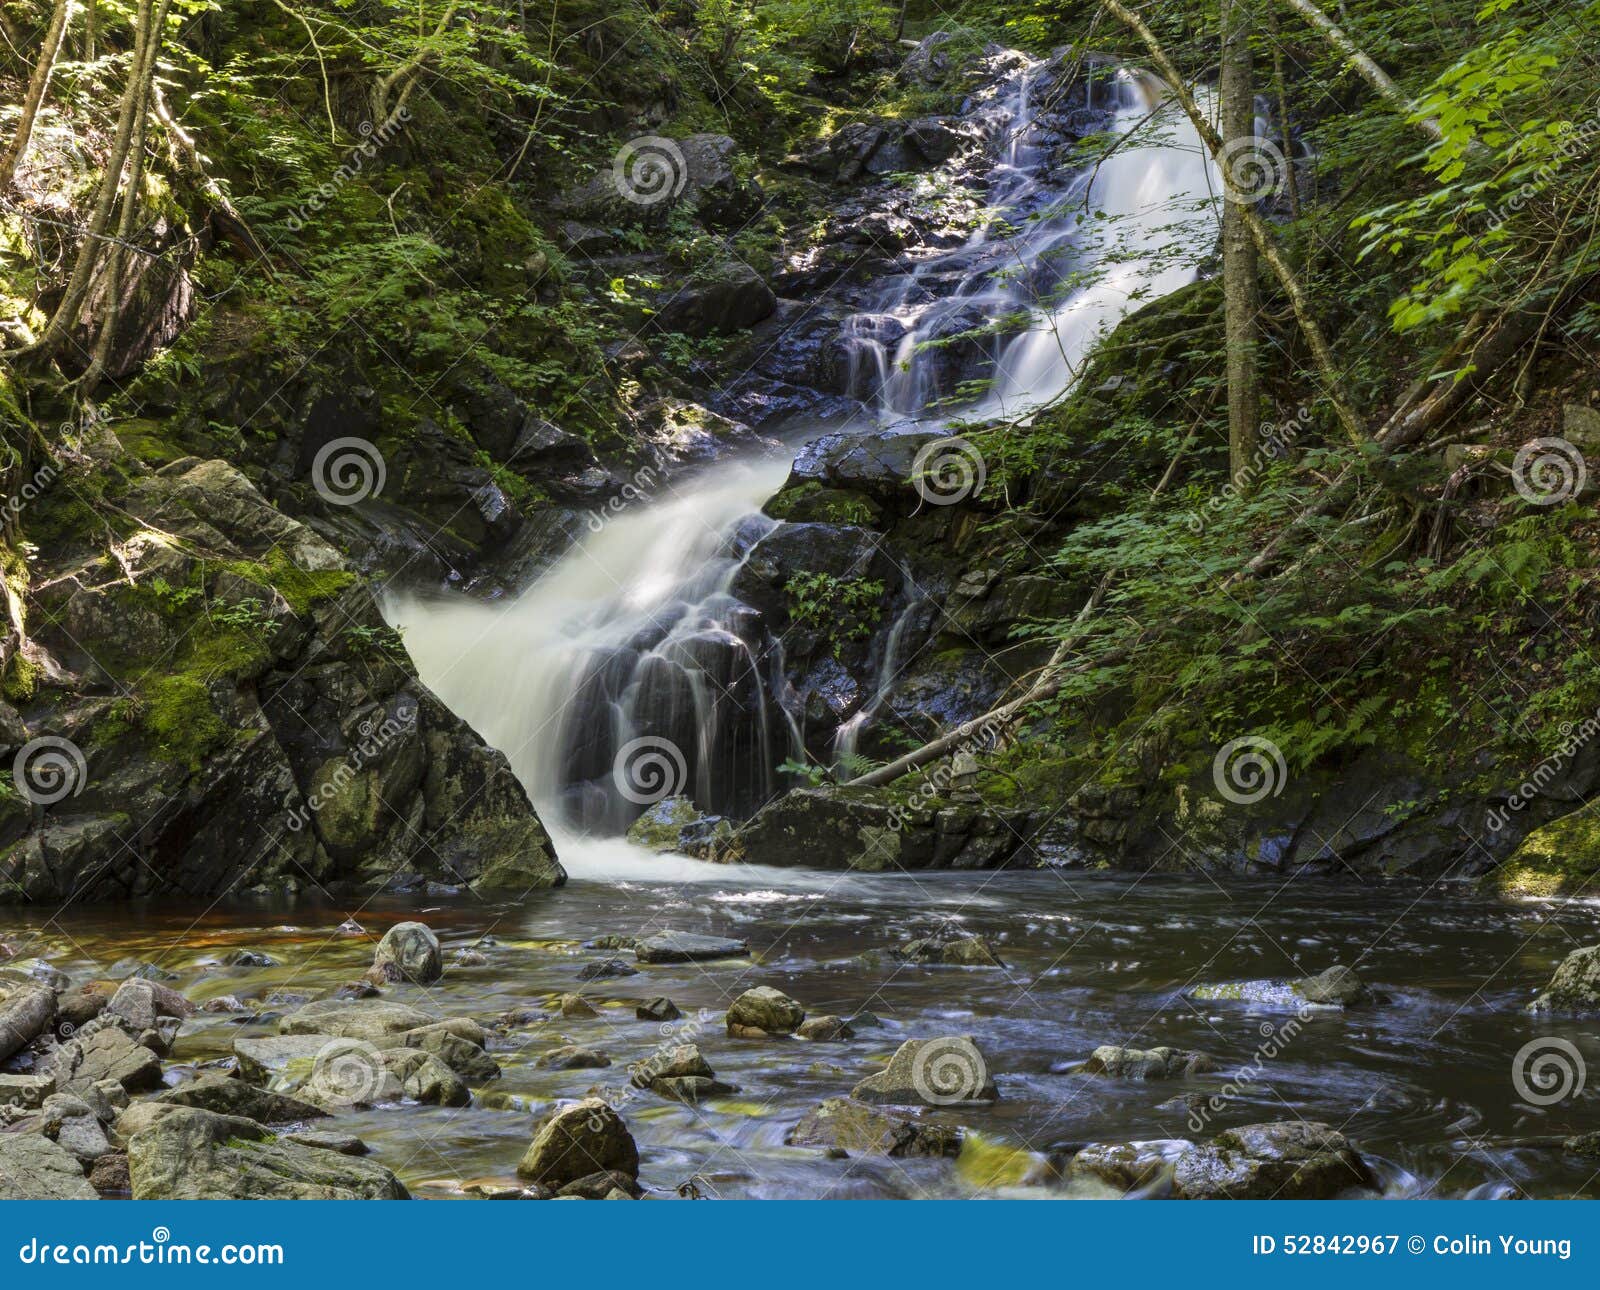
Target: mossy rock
{"points": [[1556, 859]]}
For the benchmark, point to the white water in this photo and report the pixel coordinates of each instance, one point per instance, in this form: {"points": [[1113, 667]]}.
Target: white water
{"points": [[628, 666]]}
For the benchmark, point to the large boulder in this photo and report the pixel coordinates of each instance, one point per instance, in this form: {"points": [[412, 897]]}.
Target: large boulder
{"points": [[371, 1019], [843, 1124], [1291, 1160], [104, 1052], [191, 1154], [719, 298], [143, 1005], [1575, 985], [410, 952], [32, 1167], [762, 1012], [585, 1138], [931, 1072]]}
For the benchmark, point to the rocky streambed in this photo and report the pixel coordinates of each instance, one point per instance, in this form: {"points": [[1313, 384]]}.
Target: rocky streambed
{"points": [[682, 1028]]}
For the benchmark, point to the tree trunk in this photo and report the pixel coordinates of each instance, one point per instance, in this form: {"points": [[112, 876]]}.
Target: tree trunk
{"points": [[1239, 288], [38, 85], [1364, 66]]}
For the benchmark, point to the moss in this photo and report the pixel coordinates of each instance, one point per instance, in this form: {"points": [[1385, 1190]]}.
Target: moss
{"points": [[1557, 859], [177, 712], [986, 1164], [812, 503], [302, 589]]}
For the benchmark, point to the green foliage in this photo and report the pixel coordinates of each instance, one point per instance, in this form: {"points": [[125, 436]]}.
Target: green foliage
{"points": [[840, 609]]}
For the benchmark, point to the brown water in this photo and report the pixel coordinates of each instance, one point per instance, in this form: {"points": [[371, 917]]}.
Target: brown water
{"points": [[1422, 1082]]}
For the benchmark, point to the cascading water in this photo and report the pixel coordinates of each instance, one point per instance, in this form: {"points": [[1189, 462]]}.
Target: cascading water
{"points": [[629, 667]]}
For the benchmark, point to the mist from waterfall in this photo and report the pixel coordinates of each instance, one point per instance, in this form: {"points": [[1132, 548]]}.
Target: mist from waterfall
{"points": [[629, 666]]}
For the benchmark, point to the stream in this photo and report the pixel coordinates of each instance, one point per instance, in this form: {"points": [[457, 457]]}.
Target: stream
{"points": [[1422, 1081]]}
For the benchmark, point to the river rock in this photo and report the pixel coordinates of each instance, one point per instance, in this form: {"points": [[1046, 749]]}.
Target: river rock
{"points": [[75, 1128], [424, 1078], [459, 1043], [1125, 1166], [680, 1072], [825, 1028], [687, 947], [843, 1124], [83, 1003], [573, 1057], [346, 1144], [933, 1072], [575, 1005], [25, 1093], [371, 1019], [32, 1167], [109, 1175], [25, 1014], [660, 1008], [584, 1138], [246, 958], [1146, 1063], [1290, 1160], [144, 1004], [1575, 986], [191, 1154], [264, 1057], [1338, 987], [106, 1053], [762, 1012], [410, 950], [961, 951], [605, 969], [607, 1184], [227, 1096]]}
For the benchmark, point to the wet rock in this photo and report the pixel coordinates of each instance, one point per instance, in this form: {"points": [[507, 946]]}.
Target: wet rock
{"points": [[413, 951], [605, 969], [471, 958], [25, 1014], [763, 1012], [573, 1057], [717, 299], [825, 1028], [106, 1053], [660, 1008], [578, 1140], [459, 1044], [346, 1144], [25, 1092], [249, 959], [1583, 1144], [83, 1003], [1574, 987], [424, 1078], [354, 1019], [960, 951], [40, 972], [223, 1003], [1337, 987], [124, 969], [109, 1176], [933, 1072], [575, 1005], [190, 1154], [611, 1184], [144, 1004], [1292, 1160], [262, 1057], [688, 947], [842, 1124], [32, 1167], [680, 1072], [662, 823], [1146, 1063], [1126, 1166], [226, 1096]]}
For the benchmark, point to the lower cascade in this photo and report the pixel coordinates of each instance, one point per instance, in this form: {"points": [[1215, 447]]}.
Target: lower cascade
{"points": [[630, 670]]}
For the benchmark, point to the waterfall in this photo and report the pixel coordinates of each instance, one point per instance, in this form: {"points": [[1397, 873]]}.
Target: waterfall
{"points": [[628, 670]]}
